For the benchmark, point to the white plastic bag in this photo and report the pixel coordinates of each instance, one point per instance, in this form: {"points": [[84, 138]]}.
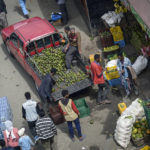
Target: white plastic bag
{"points": [[140, 64], [112, 18], [112, 63]]}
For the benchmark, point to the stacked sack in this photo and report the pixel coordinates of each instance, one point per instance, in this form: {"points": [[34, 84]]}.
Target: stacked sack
{"points": [[126, 120], [124, 129], [140, 64], [135, 109]]}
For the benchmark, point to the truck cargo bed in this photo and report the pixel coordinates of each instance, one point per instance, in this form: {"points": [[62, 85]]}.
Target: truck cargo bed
{"points": [[73, 87]]}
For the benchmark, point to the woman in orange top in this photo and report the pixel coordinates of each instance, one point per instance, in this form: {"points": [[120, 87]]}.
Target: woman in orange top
{"points": [[97, 75]]}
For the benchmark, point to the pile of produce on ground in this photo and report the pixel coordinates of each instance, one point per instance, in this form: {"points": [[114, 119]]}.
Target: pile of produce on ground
{"points": [[55, 58], [140, 129], [137, 36]]}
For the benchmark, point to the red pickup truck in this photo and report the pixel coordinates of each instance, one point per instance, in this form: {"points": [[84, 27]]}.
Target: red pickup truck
{"points": [[29, 37]]}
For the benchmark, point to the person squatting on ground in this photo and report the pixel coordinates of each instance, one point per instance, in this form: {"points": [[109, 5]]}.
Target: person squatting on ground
{"points": [[122, 64], [29, 113], [73, 47], [4, 147], [3, 12], [11, 136], [63, 10], [24, 9], [98, 79], [45, 88], [46, 130], [25, 141], [71, 113]]}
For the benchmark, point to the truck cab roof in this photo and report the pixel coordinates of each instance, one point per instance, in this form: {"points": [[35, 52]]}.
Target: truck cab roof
{"points": [[31, 29]]}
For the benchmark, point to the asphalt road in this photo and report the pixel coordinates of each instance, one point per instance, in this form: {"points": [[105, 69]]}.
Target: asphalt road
{"points": [[14, 82]]}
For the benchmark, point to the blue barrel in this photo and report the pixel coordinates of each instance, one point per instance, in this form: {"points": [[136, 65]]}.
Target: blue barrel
{"points": [[114, 82]]}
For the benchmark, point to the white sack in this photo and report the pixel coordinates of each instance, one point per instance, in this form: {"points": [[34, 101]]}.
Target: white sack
{"points": [[140, 64]]}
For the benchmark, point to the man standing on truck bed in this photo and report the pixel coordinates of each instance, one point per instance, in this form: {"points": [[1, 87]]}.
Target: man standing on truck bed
{"points": [[46, 86], [97, 74], [73, 48]]}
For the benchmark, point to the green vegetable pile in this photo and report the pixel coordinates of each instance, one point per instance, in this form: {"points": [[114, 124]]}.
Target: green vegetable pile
{"points": [[137, 36], [55, 58]]}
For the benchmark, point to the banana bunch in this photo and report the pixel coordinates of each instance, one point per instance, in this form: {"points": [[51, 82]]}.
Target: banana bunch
{"points": [[119, 7], [55, 58], [111, 48]]}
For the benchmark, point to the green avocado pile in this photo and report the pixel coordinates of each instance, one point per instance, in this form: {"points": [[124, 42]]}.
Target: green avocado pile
{"points": [[140, 129], [55, 58]]}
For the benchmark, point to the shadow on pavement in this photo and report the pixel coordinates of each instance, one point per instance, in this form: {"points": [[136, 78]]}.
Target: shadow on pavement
{"points": [[94, 147], [20, 69], [19, 10]]}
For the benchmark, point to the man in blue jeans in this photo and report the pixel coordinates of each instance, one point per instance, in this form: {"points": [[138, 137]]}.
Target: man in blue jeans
{"points": [[23, 7], [63, 10], [71, 113]]}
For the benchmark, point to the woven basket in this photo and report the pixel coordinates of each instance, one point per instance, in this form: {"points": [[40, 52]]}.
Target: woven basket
{"points": [[138, 142]]}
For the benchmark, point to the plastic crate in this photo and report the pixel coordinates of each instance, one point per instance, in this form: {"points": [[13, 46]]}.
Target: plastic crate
{"points": [[55, 17], [138, 142], [82, 107], [1, 134], [145, 148], [116, 33], [106, 41], [120, 43], [147, 112]]}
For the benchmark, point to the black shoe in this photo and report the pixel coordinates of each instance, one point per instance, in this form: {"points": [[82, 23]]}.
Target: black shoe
{"points": [[26, 16]]}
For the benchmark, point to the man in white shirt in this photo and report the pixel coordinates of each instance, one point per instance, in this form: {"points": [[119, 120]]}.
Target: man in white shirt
{"points": [[29, 113]]}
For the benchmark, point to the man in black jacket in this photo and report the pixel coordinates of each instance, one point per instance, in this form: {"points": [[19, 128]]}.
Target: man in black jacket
{"points": [[3, 12], [46, 86]]}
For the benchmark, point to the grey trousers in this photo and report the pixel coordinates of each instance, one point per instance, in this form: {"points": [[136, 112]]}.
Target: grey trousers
{"points": [[3, 20], [69, 56], [102, 92]]}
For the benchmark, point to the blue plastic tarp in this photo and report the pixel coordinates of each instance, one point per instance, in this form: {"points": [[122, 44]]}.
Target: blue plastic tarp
{"points": [[5, 110]]}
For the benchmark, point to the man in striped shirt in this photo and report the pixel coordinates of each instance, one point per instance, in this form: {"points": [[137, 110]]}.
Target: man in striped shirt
{"points": [[46, 130]]}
